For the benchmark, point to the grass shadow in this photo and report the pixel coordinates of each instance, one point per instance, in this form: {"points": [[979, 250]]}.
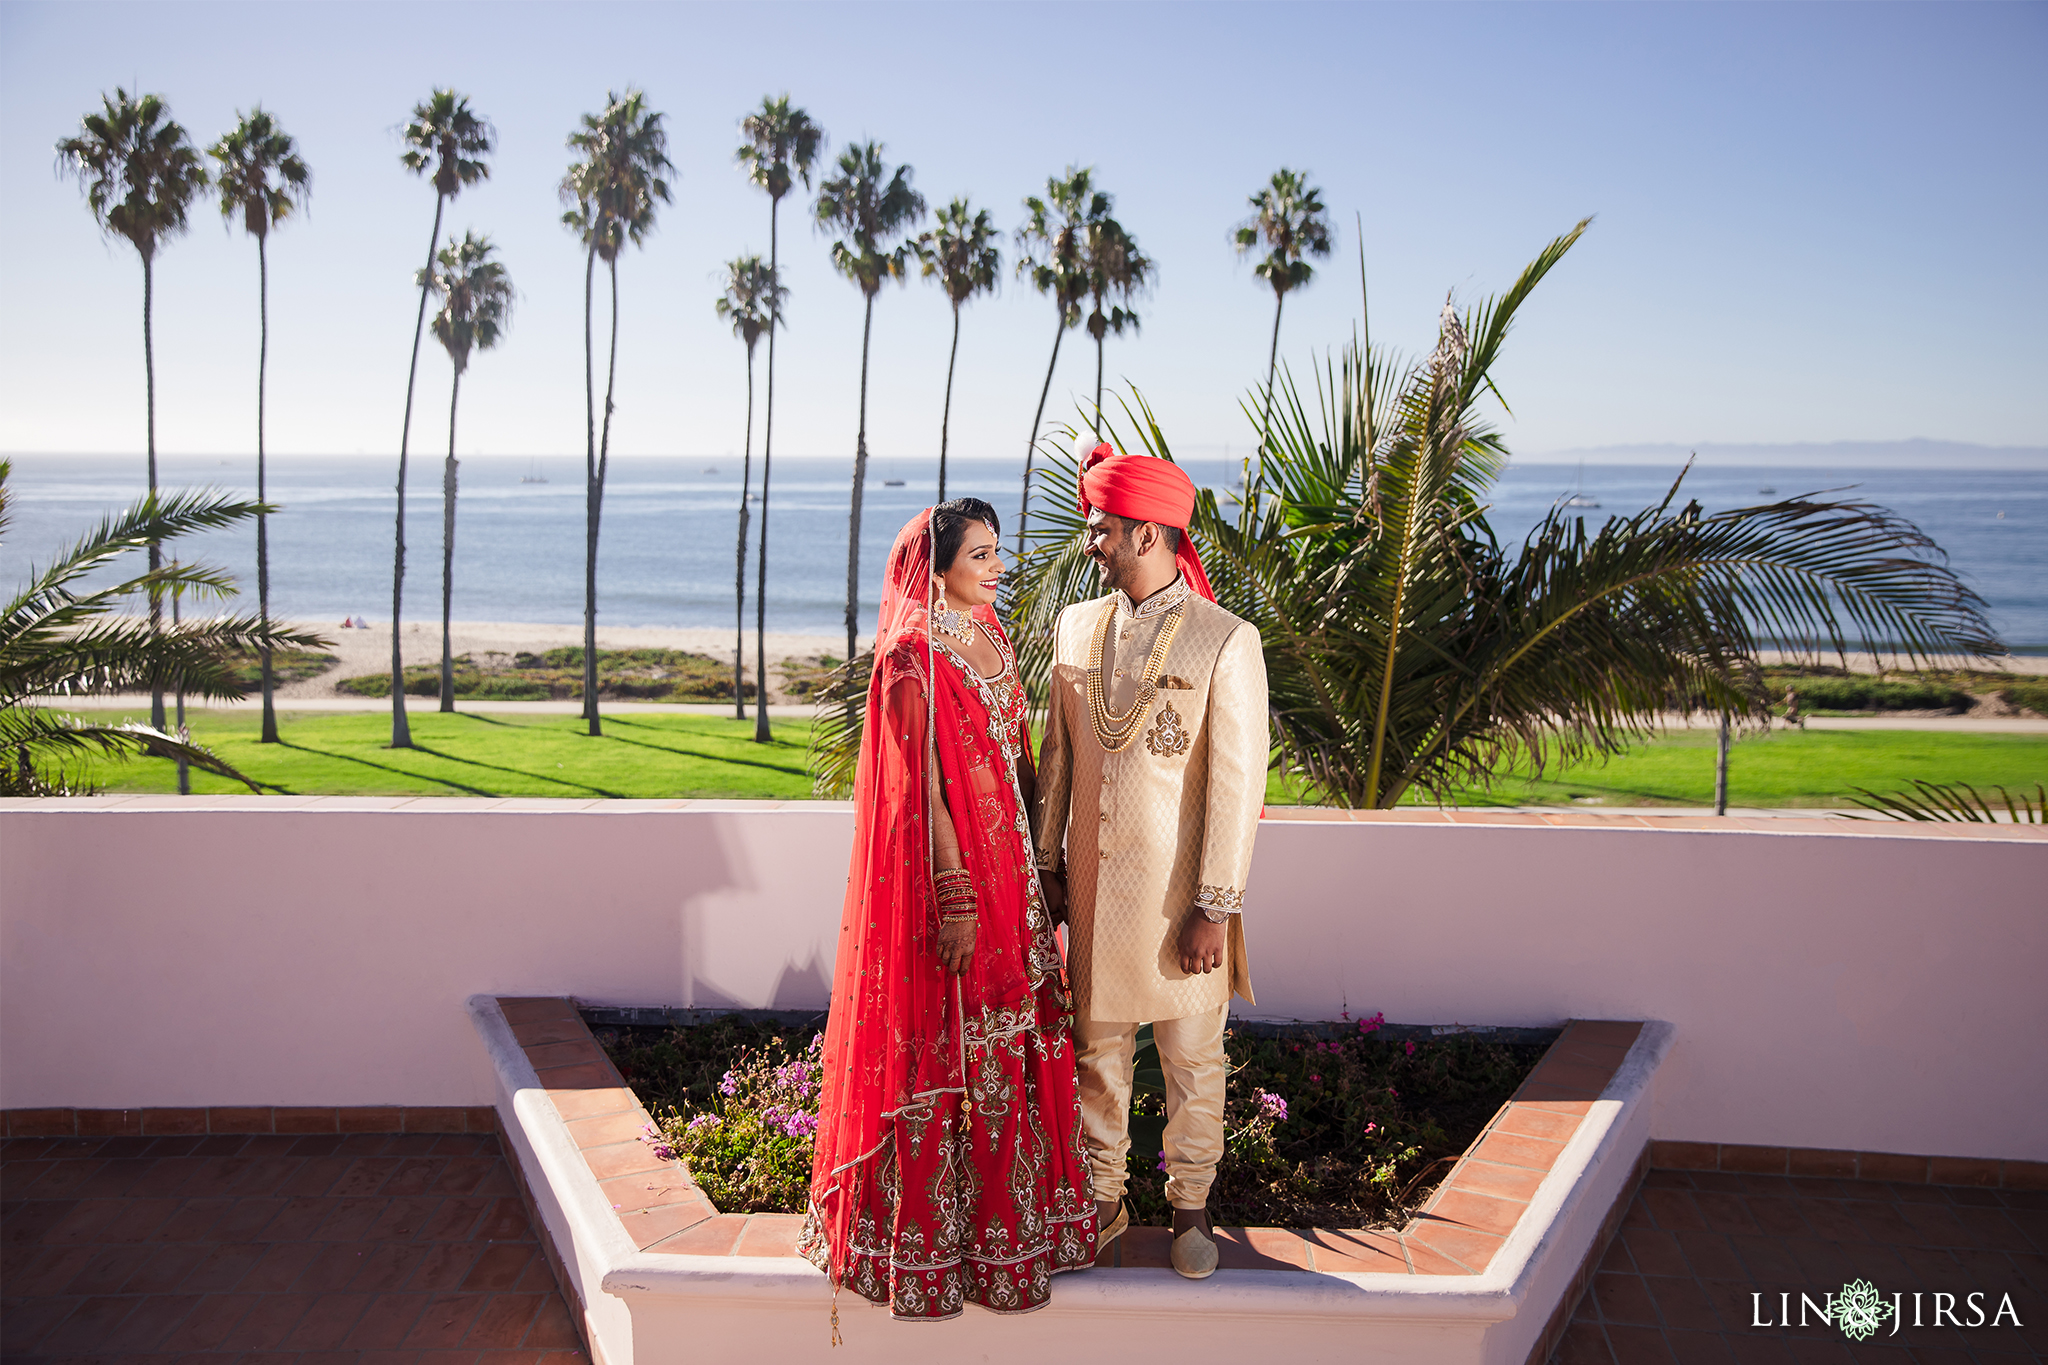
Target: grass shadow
{"points": [[709, 758], [385, 768], [516, 772]]}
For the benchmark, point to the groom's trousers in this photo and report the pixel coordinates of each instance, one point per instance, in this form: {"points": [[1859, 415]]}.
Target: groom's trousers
{"points": [[1191, 1056]]}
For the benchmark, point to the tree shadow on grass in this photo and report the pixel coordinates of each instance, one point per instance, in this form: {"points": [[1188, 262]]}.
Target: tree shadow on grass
{"points": [[698, 753], [448, 782]]}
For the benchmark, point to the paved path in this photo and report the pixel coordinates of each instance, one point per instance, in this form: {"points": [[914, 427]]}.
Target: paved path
{"points": [[428, 705], [336, 1246], [1950, 725], [1676, 1283]]}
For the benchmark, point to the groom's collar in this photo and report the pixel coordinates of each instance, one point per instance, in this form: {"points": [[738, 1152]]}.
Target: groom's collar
{"points": [[1166, 599]]}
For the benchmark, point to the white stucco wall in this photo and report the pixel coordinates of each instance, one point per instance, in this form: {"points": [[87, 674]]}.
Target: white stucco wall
{"points": [[1846, 991]]}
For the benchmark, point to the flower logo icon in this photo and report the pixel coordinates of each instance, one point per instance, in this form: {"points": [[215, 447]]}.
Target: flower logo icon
{"points": [[1859, 1310]]}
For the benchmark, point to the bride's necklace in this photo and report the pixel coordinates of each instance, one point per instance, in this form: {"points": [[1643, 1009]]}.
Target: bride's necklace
{"points": [[958, 624]]}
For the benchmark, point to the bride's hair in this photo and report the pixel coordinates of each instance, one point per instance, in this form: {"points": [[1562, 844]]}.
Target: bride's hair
{"points": [[949, 527]]}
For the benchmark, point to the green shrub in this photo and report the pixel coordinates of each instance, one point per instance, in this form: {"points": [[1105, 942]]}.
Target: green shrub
{"points": [[1861, 692], [286, 666], [557, 674], [2032, 694], [748, 1144]]}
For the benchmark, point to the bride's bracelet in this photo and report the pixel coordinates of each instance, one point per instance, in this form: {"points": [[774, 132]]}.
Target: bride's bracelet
{"points": [[954, 887]]}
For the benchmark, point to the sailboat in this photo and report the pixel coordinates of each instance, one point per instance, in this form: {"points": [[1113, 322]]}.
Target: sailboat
{"points": [[533, 474], [1578, 497]]}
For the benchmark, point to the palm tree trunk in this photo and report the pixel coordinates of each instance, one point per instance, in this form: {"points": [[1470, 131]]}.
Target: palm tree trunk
{"points": [[185, 770], [767, 455], [401, 732], [1024, 506], [269, 735], [739, 581], [589, 487], [604, 447], [1097, 426], [946, 418], [1266, 417], [448, 550], [156, 550], [860, 477]]}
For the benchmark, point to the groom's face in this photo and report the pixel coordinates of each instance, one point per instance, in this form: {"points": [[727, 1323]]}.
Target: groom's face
{"points": [[1112, 543]]}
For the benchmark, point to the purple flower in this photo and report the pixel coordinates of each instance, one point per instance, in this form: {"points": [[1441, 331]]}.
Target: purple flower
{"points": [[704, 1121], [1368, 1025], [1162, 1162], [1271, 1106], [1411, 1047], [729, 1085], [800, 1125]]}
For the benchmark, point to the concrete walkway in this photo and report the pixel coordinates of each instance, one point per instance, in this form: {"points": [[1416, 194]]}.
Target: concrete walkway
{"points": [[1948, 725]]}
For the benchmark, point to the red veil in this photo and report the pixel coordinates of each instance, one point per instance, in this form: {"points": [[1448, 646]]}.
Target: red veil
{"points": [[896, 1057]]}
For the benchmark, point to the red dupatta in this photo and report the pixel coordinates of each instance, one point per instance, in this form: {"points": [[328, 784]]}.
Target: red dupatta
{"points": [[893, 1044]]}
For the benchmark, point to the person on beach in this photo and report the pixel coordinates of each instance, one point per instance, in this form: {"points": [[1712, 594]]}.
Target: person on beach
{"points": [[1151, 777], [949, 1166]]}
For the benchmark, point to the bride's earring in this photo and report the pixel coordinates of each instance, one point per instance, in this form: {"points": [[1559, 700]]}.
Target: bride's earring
{"points": [[958, 624]]}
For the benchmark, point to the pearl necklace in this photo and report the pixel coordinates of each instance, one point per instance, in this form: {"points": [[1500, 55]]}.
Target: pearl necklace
{"points": [[1117, 731]]}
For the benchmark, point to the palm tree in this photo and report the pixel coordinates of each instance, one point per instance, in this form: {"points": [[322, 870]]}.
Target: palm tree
{"points": [[1406, 650], [1290, 219], [448, 137], [961, 254], [753, 300], [872, 206], [140, 174], [1051, 248], [782, 144], [250, 156], [612, 191], [60, 635], [476, 307], [1115, 268]]}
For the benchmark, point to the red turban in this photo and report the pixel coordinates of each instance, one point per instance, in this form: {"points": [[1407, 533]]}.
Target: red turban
{"points": [[1145, 488]]}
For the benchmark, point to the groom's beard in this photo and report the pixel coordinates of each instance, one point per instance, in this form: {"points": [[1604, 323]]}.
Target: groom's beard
{"points": [[1117, 566]]}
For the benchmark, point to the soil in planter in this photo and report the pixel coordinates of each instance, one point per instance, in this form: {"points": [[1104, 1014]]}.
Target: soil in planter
{"points": [[1328, 1125]]}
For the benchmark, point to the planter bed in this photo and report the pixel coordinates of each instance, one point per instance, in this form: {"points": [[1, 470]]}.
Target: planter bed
{"points": [[1482, 1272]]}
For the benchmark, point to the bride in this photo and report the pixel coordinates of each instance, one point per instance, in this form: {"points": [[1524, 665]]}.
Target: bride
{"points": [[950, 1167]]}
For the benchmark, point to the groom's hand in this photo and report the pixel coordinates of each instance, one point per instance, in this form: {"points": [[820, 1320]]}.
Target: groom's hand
{"points": [[1055, 888], [1202, 944]]}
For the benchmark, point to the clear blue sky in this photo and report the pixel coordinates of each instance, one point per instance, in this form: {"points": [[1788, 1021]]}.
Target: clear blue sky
{"points": [[1815, 222]]}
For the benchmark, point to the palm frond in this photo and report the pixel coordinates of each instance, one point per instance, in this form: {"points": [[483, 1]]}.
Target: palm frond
{"points": [[41, 751], [1956, 802]]}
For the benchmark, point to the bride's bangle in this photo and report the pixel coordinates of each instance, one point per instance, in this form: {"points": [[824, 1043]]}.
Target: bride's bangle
{"points": [[954, 890]]}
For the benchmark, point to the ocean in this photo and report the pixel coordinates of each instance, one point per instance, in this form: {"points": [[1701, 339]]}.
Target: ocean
{"points": [[666, 548]]}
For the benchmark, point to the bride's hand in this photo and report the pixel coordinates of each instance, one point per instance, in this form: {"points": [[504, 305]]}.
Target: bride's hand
{"points": [[956, 946]]}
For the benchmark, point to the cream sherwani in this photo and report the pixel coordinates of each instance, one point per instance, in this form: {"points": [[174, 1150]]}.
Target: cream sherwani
{"points": [[1151, 833]]}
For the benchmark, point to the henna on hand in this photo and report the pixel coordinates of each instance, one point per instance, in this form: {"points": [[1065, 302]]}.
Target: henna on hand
{"points": [[956, 947]]}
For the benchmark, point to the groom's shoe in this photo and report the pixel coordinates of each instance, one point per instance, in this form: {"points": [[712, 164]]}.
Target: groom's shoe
{"points": [[1115, 1228], [1194, 1254]]}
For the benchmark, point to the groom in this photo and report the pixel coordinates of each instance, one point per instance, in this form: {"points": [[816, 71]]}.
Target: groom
{"points": [[1150, 779]]}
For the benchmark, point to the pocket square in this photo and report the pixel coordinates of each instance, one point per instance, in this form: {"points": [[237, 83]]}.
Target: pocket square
{"points": [[1172, 683]]}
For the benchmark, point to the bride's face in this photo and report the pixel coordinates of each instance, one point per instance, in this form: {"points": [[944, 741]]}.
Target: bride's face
{"points": [[976, 571]]}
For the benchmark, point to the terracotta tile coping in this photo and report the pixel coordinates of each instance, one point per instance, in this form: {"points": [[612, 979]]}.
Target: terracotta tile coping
{"points": [[293, 1119], [1457, 1232]]}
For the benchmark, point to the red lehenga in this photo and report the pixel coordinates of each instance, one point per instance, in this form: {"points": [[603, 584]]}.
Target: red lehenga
{"points": [[950, 1167]]}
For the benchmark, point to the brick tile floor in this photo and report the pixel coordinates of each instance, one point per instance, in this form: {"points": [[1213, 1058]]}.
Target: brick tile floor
{"points": [[1674, 1285], [412, 1248]]}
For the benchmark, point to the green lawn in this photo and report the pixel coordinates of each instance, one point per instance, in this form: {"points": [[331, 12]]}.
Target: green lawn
{"points": [[652, 755], [1783, 768], [490, 754]]}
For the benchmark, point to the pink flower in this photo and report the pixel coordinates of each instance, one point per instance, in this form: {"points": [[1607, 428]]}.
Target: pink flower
{"points": [[1411, 1047], [1271, 1106], [1372, 1128]]}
